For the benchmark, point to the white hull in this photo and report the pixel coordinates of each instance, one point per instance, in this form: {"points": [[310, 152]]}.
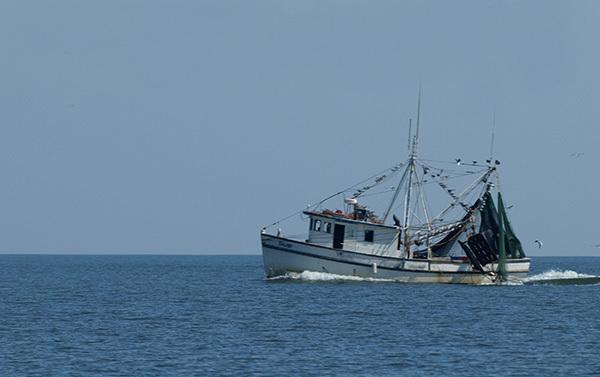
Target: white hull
{"points": [[281, 255]]}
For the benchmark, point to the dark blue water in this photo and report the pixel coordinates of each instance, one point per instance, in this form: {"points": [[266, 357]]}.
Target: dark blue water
{"points": [[203, 315]]}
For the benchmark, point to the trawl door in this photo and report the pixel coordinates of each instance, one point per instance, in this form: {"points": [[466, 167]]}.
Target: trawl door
{"points": [[338, 236]]}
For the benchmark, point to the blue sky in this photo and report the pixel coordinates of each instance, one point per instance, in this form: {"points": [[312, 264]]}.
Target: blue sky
{"points": [[185, 126]]}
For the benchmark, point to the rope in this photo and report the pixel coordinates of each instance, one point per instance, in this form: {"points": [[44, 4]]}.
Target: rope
{"points": [[394, 170]]}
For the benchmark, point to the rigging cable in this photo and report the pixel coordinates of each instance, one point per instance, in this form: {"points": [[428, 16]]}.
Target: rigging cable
{"points": [[394, 170]]}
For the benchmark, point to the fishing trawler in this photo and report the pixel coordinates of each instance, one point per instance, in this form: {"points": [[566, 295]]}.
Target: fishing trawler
{"points": [[469, 241]]}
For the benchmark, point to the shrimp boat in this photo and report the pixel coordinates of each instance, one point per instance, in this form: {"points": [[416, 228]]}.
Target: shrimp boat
{"points": [[469, 241]]}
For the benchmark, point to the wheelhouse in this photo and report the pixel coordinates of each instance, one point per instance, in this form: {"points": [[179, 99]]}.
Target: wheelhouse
{"points": [[346, 232]]}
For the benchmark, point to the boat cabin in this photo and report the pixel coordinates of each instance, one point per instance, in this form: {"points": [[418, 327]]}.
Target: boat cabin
{"points": [[351, 232]]}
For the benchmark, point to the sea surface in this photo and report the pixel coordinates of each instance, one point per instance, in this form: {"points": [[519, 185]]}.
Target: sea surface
{"points": [[217, 315]]}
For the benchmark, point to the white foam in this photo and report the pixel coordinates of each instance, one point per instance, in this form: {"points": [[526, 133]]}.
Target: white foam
{"points": [[324, 276], [558, 274]]}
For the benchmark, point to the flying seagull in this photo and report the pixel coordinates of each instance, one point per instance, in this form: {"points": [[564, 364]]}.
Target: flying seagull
{"points": [[598, 246], [539, 243]]}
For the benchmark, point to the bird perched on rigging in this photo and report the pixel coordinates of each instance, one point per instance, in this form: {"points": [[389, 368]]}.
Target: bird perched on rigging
{"points": [[539, 243]]}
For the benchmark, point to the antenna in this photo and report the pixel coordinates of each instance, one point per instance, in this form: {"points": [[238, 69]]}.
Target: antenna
{"points": [[416, 137], [418, 112], [409, 135], [493, 134]]}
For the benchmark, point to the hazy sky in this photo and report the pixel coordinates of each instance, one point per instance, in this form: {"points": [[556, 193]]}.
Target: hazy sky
{"points": [[185, 126]]}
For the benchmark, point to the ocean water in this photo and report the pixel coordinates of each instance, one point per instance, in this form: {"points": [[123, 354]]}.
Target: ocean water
{"points": [[218, 315]]}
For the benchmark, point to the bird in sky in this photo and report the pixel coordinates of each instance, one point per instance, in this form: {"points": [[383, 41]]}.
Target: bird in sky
{"points": [[539, 243]]}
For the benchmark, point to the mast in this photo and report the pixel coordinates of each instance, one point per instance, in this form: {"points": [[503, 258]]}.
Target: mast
{"points": [[412, 166], [425, 212], [407, 209], [401, 183]]}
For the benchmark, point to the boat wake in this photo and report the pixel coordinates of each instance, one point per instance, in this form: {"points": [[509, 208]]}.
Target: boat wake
{"points": [[551, 277], [558, 274], [324, 276], [562, 277]]}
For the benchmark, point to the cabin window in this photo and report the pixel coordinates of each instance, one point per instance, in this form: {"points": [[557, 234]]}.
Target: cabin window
{"points": [[318, 225], [369, 235], [312, 224], [328, 227]]}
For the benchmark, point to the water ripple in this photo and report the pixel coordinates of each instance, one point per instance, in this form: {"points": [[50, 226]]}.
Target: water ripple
{"points": [[198, 316]]}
